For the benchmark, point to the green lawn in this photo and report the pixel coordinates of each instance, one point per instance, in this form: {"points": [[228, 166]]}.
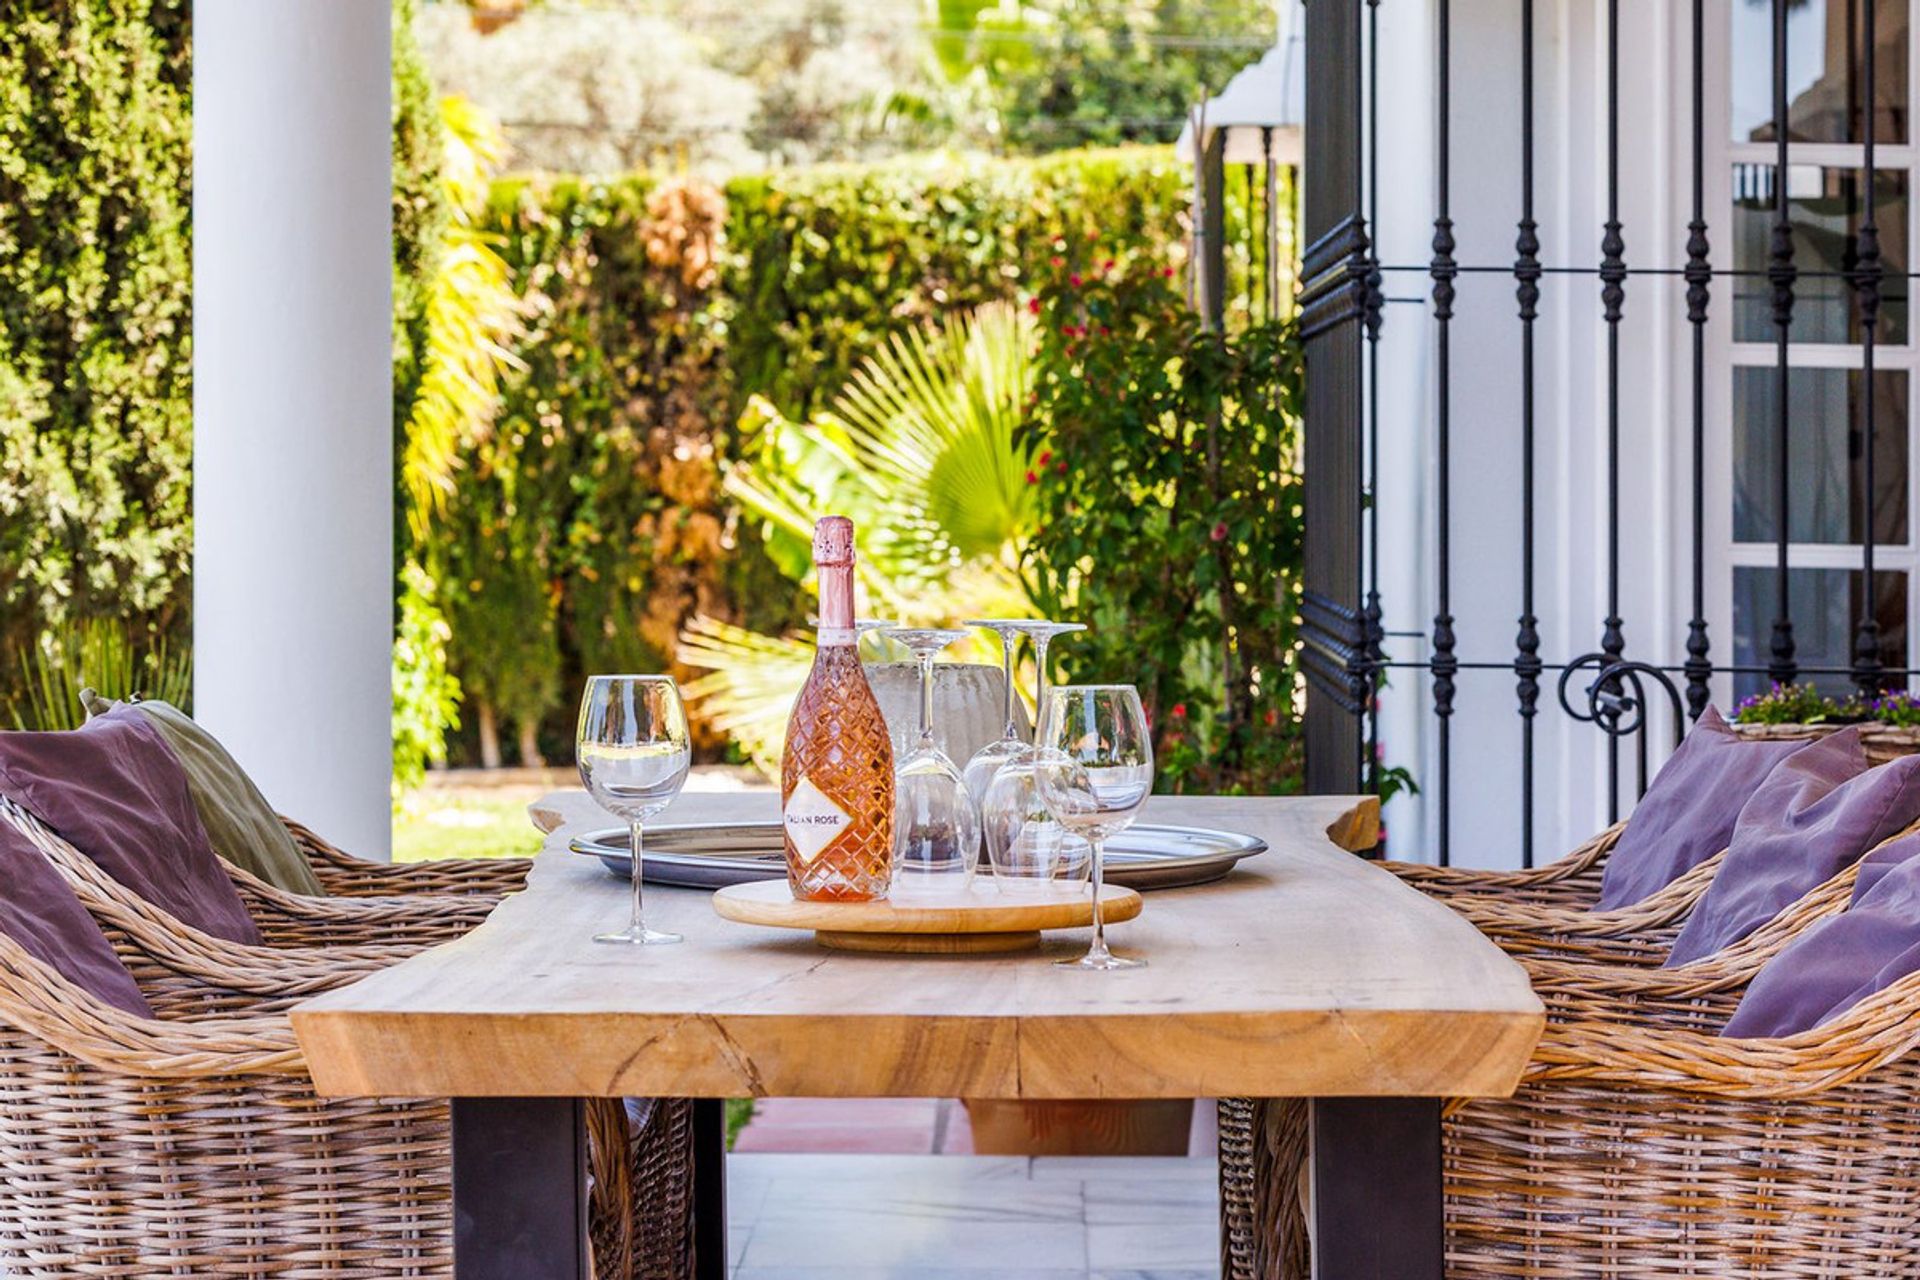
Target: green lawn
{"points": [[464, 822]]}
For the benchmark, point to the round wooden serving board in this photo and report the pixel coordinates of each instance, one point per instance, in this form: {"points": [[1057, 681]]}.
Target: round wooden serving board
{"points": [[982, 920]]}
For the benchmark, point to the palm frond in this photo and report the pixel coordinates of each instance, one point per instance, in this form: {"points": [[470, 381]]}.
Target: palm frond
{"points": [[751, 683], [473, 319]]}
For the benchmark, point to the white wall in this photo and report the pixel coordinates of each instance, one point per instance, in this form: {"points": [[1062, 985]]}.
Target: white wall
{"points": [[1570, 399], [293, 486]]}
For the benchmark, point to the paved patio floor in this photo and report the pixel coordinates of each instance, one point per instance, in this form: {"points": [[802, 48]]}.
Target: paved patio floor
{"points": [[945, 1217]]}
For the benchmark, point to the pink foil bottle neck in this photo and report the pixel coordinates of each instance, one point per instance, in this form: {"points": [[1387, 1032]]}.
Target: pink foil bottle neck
{"points": [[833, 558]]}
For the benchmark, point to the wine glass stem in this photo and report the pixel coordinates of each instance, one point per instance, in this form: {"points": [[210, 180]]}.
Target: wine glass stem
{"points": [[1007, 639], [1099, 947], [926, 698], [639, 921], [1040, 643]]}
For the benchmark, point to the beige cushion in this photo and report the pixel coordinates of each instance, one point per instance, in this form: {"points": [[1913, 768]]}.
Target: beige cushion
{"points": [[241, 825]]}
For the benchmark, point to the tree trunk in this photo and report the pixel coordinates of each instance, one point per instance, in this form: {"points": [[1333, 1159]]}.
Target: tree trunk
{"points": [[489, 727], [530, 755]]}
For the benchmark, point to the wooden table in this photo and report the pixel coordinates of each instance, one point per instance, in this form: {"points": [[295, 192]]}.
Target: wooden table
{"points": [[1307, 973]]}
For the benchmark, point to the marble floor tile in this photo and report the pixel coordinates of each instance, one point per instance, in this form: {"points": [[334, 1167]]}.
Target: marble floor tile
{"points": [[1154, 1246], [1118, 1201], [1130, 1168]]}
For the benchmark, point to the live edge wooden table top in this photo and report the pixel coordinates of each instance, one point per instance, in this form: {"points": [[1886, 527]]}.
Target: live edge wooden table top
{"points": [[1306, 973]]}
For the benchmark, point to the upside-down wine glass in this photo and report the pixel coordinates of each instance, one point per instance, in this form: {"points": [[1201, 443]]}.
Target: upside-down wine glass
{"points": [[633, 751], [936, 831], [987, 760], [1024, 843], [1095, 770]]}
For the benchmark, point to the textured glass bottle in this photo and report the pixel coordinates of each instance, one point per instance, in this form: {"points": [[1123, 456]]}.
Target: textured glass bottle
{"points": [[836, 781]]}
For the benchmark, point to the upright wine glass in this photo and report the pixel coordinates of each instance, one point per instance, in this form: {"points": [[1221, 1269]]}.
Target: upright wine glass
{"points": [[936, 830], [633, 752], [1095, 771]]}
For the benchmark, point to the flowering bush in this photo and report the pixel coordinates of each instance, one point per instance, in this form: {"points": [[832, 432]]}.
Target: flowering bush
{"points": [[1169, 494], [1804, 704]]}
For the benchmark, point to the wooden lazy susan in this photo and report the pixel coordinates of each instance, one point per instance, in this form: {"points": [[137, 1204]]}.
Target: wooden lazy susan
{"points": [[980, 920]]}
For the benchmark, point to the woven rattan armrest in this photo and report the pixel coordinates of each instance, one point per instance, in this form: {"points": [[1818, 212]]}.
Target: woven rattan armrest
{"points": [[1669, 906], [1571, 881], [1879, 1030], [38, 1000], [291, 919], [345, 876]]}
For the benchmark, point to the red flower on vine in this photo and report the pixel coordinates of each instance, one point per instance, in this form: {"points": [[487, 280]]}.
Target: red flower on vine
{"points": [[1032, 478], [1074, 280], [1046, 456], [1167, 272], [1179, 711], [1057, 261], [1219, 533], [1033, 305]]}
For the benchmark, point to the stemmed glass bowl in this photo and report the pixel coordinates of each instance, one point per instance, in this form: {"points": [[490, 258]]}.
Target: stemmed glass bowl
{"points": [[1025, 846], [1095, 771], [633, 751], [936, 830]]}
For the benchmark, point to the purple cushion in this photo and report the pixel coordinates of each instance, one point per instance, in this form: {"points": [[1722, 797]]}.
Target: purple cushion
{"points": [[1817, 813], [116, 792], [1841, 961], [40, 911], [1688, 813]]}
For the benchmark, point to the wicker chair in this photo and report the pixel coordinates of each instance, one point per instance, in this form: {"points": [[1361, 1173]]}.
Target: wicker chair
{"points": [[1573, 882], [1640, 1143], [194, 1142], [391, 926]]}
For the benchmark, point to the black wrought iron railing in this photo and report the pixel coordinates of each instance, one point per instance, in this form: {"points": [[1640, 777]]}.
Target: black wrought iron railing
{"points": [[1609, 683]]}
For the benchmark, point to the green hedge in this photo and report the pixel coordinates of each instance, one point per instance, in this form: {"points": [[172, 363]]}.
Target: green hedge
{"points": [[95, 316], [590, 526], [827, 261], [96, 394]]}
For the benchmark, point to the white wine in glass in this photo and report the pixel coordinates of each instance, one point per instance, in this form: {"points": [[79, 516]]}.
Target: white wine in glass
{"points": [[633, 751]]}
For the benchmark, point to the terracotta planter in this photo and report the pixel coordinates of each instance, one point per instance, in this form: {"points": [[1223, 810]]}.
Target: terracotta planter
{"points": [[1883, 742], [1145, 1127]]}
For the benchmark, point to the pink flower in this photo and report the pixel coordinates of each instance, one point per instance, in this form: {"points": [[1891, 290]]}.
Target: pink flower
{"points": [[1219, 533], [1046, 456], [1167, 272], [1074, 280], [1033, 305], [1032, 478], [1057, 260], [1107, 265]]}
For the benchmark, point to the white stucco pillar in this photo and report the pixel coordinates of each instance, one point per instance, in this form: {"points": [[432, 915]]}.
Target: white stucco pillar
{"points": [[292, 449]]}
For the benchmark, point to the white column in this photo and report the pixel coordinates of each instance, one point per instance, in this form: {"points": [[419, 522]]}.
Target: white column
{"points": [[293, 452]]}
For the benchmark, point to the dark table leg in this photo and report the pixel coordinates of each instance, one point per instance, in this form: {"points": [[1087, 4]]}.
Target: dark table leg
{"points": [[709, 1189], [1377, 1191], [520, 1189]]}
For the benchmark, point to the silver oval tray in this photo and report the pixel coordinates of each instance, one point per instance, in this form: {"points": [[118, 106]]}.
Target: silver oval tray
{"points": [[715, 854]]}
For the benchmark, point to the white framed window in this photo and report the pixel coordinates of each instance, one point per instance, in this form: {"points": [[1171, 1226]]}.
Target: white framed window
{"points": [[1827, 392]]}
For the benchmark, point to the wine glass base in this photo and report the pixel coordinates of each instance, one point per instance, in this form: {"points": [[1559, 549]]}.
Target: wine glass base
{"points": [[1095, 960], [639, 936]]}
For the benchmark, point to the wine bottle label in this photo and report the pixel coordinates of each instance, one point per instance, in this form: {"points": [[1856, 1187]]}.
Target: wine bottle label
{"points": [[831, 636], [812, 819]]}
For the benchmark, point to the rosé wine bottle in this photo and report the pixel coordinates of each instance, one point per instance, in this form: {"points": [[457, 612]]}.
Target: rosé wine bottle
{"points": [[836, 783]]}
